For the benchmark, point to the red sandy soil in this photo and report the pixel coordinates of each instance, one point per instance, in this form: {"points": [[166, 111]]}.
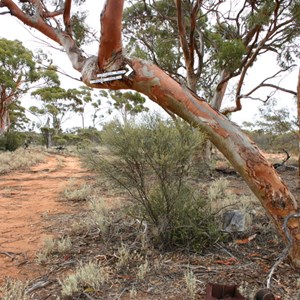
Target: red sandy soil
{"points": [[29, 208]]}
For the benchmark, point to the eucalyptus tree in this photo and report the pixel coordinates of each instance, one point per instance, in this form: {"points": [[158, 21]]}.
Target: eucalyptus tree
{"points": [[19, 71], [58, 104], [17, 116], [55, 21], [128, 103], [206, 44]]}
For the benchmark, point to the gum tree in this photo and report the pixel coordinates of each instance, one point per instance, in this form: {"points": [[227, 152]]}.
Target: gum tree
{"points": [[56, 23], [19, 72], [208, 44]]}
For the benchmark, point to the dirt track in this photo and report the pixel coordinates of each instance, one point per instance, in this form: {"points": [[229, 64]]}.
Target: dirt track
{"points": [[29, 207]]}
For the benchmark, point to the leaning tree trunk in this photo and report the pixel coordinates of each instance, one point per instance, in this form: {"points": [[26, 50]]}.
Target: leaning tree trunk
{"points": [[148, 79], [243, 154]]}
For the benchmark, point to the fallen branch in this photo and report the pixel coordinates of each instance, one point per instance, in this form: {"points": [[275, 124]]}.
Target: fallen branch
{"points": [[286, 250], [278, 165], [39, 284], [12, 255]]}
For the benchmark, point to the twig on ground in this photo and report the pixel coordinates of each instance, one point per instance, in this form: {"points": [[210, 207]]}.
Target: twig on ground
{"points": [[88, 296], [39, 284], [277, 263], [220, 247], [286, 250], [121, 294], [12, 255]]}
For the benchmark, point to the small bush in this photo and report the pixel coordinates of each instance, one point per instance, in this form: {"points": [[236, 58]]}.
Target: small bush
{"points": [[153, 161], [11, 141]]}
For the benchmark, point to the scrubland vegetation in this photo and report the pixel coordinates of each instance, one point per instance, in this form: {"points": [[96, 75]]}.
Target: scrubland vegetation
{"points": [[19, 159], [154, 208]]}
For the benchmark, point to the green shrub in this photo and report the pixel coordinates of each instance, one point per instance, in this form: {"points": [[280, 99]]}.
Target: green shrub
{"points": [[11, 141], [153, 162], [60, 140]]}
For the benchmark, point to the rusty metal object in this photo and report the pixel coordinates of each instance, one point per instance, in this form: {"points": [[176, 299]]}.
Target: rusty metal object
{"points": [[264, 294], [226, 292]]}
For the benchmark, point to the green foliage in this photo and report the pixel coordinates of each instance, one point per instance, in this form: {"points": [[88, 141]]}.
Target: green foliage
{"points": [[221, 41], [80, 28], [19, 69], [155, 35], [59, 140], [229, 54], [91, 134], [275, 120], [128, 103], [270, 142], [153, 162], [295, 11], [58, 102], [17, 116], [262, 14], [11, 140], [275, 127], [15, 61]]}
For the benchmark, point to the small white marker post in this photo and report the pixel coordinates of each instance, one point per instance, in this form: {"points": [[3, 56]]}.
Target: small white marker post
{"points": [[113, 75]]}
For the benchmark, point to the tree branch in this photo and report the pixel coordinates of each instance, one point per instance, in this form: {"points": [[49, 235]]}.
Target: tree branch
{"points": [[67, 16], [111, 37], [264, 84], [182, 32], [38, 24], [192, 42]]}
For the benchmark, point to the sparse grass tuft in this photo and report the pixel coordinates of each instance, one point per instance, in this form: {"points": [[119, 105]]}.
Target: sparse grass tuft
{"points": [[64, 245], [87, 276], [70, 285], [43, 255], [13, 290], [98, 217], [143, 269], [123, 257], [75, 192], [218, 190], [52, 246], [99, 213], [191, 284]]}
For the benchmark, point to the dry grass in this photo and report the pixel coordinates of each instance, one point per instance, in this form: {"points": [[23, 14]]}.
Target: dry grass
{"points": [[19, 159], [53, 246], [89, 276], [13, 290], [75, 191]]}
